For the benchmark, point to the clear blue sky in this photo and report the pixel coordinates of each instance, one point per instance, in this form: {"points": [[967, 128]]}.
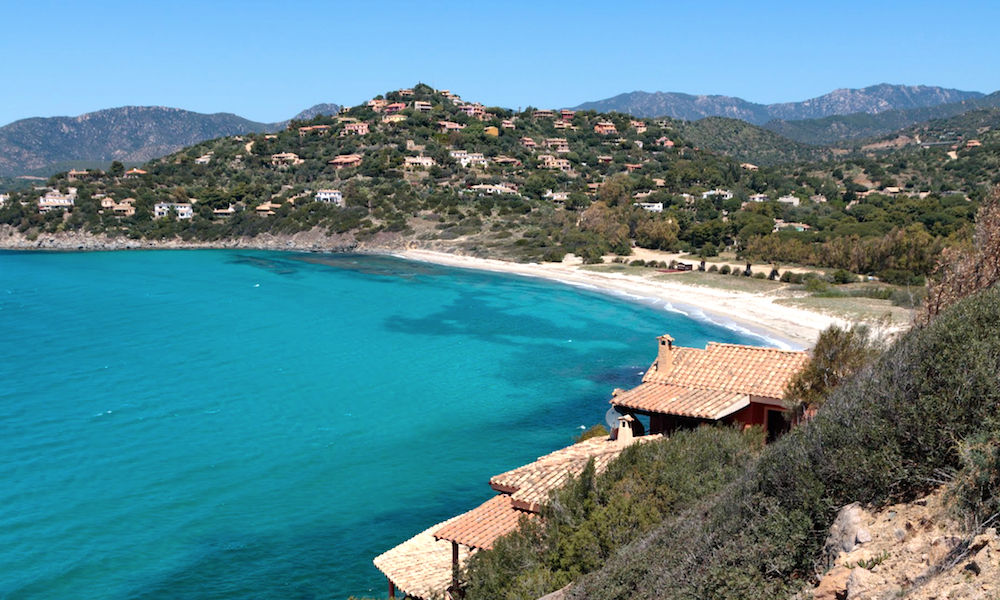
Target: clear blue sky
{"points": [[268, 60]]}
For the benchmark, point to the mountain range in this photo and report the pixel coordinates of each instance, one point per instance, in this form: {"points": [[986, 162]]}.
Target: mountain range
{"points": [[872, 100], [131, 134]]}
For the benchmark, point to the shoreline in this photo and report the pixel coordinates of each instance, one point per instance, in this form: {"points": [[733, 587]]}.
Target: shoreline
{"points": [[750, 314]]}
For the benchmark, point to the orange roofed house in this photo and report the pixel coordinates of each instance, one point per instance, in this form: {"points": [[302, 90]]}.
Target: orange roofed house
{"points": [[727, 383], [424, 566]]}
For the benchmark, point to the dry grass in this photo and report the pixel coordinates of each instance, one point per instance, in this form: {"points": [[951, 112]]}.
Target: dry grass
{"points": [[865, 310]]}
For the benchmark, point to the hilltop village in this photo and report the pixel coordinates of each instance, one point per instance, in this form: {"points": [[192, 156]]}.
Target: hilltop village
{"points": [[423, 165]]}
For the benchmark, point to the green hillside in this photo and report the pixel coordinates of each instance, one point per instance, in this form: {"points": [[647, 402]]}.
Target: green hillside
{"points": [[747, 143], [535, 186]]}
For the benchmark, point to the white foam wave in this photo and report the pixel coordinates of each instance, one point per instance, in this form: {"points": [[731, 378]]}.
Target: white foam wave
{"points": [[578, 284]]}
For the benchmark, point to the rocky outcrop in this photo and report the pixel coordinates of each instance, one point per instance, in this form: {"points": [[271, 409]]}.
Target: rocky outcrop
{"points": [[915, 550], [315, 240]]}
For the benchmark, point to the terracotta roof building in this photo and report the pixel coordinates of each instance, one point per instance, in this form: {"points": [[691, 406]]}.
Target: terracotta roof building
{"points": [[425, 565], [730, 383]]}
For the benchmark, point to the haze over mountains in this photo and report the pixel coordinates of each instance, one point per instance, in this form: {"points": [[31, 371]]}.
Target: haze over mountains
{"points": [[871, 100]]}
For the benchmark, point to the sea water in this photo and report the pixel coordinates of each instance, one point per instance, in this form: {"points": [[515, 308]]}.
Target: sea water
{"points": [[235, 424]]}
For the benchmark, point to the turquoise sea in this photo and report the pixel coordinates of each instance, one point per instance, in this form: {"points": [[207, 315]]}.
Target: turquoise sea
{"points": [[230, 424]]}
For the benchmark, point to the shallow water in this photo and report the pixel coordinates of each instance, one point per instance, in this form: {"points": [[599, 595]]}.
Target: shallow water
{"points": [[226, 424]]}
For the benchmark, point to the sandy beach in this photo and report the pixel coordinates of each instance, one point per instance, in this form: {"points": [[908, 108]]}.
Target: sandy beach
{"points": [[781, 326]]}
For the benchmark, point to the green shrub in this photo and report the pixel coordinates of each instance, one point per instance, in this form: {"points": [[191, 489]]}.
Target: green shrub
{"points": [[976, 490], [590, 518], [596, 431], [902, 277], [926, 407], [842, 276], [714, 269], [724, 270], [816, 285]]}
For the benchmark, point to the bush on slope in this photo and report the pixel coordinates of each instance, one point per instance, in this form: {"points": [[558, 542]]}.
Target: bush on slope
{"points": [[590, 518], [890, 434]]}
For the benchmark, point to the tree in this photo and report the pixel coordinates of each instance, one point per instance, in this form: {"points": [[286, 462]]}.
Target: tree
{"points": [[616, 190], [117, 169], [838, 354], [658, 234]]}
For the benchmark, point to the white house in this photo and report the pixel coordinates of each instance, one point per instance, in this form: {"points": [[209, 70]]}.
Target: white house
{"points": [[789, 199], [759, 198], [650, 206], [4, 198], [493, 190], [726, 194], [183, 209], [330, 197], [418, 162], [54, 199], [465, 158]]}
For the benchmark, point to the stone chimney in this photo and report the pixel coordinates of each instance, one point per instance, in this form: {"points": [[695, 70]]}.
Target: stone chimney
{"points": [[665, 354], [626, 432]]}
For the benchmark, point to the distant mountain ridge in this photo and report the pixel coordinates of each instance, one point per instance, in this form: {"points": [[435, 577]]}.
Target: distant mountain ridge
{"points": [[129, 134], [841, 128], [315, 111], [872, 100]]}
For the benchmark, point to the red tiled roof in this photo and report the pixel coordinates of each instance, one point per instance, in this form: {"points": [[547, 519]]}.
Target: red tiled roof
{"points": [[731, 368], [682, 401], [481, 526], [421, 566], [530, 485]]}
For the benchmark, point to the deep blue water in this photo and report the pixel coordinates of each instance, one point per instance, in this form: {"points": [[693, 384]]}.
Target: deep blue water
{"points": [[223, 424]]}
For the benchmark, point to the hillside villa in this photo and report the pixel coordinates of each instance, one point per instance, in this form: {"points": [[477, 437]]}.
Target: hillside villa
{"points": [[725, 383], [559, 145], [418, 162], [335, 197], [285, 159], [465, 158], [125, 208], [346, 160], [355, 129], [318, 129], [605, 128], [489, 189], [183, 210], [395, 107], [724, 194], [56, 200]]}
